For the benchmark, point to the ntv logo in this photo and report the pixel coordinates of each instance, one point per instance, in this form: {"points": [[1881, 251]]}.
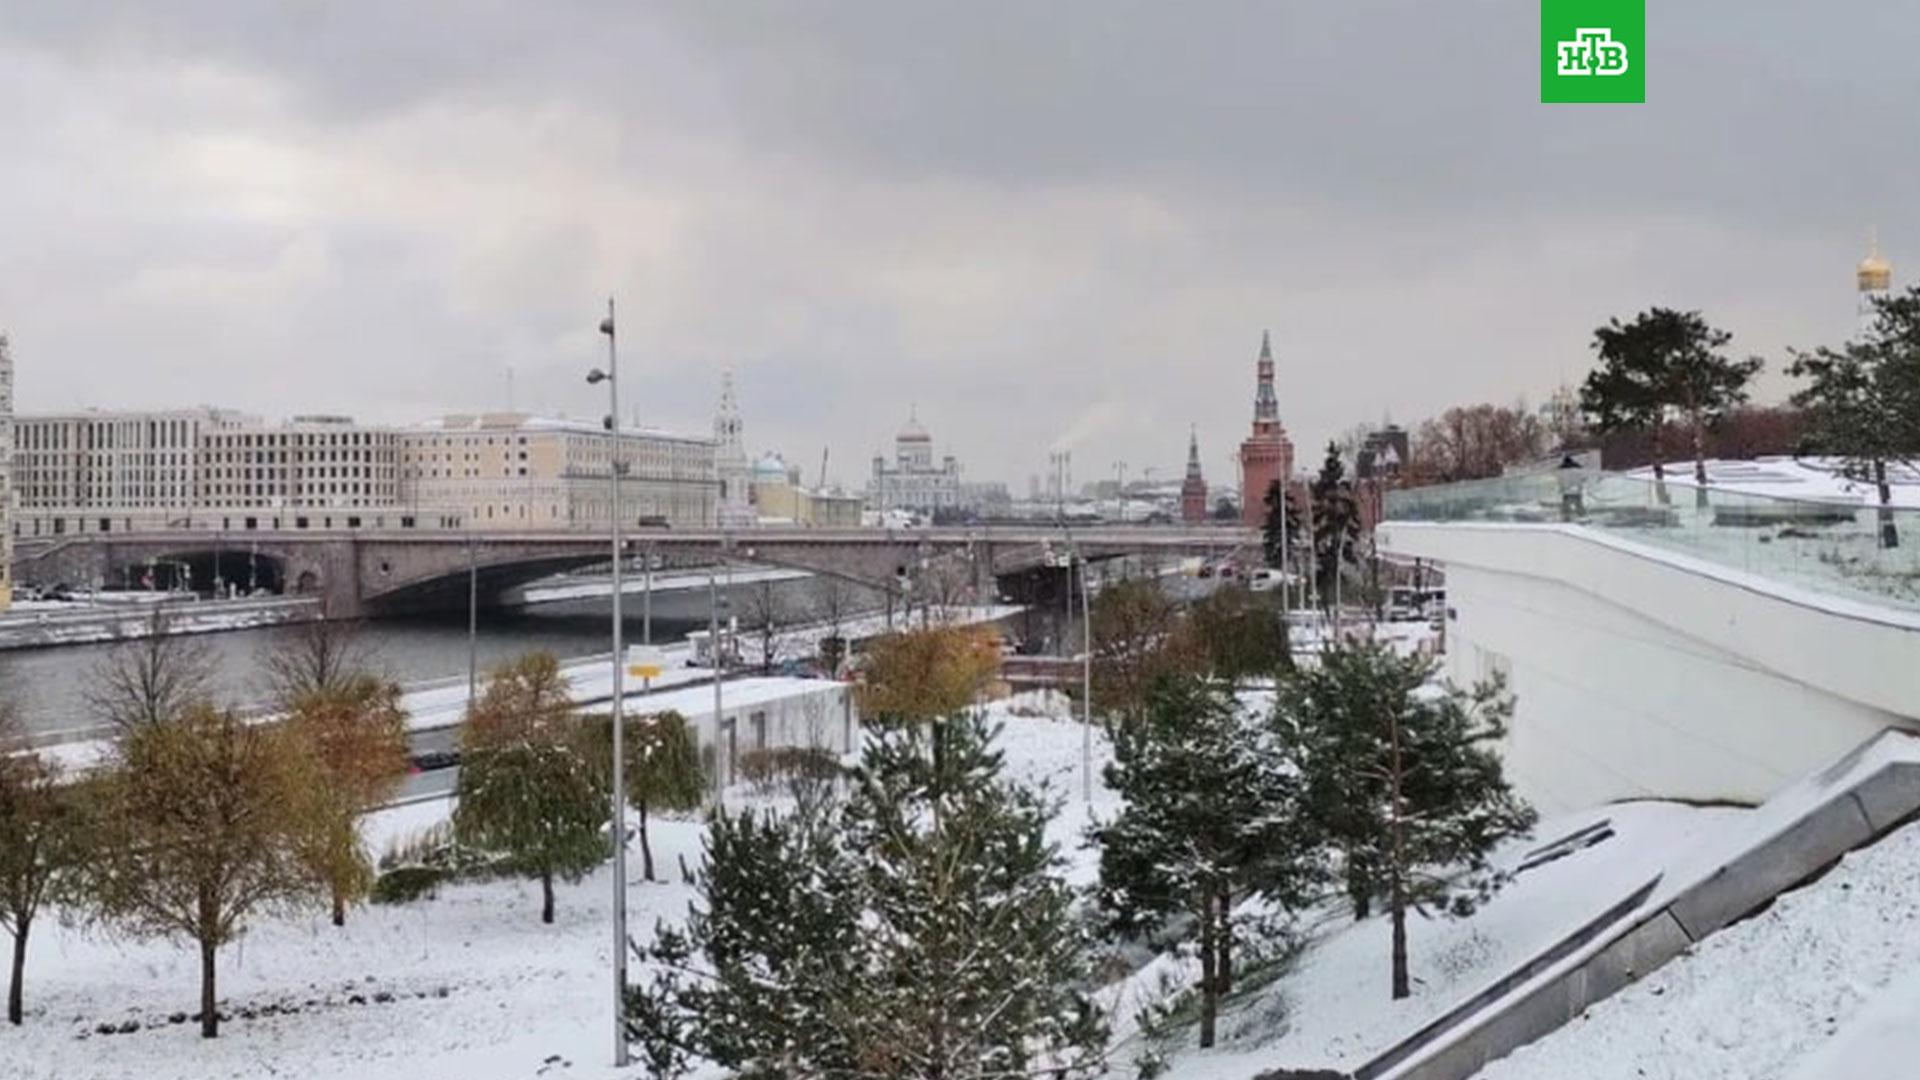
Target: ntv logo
{"points": [[1592, 52]]}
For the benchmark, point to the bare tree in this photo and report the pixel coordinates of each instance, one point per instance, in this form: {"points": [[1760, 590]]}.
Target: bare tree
{"points": [[150, 680], [320, 657], [763, 613], [833, 604]]}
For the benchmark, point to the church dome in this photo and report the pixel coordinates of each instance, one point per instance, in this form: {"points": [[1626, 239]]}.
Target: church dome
{"points": [[770, 468], [911, 431], [1874, 273]]}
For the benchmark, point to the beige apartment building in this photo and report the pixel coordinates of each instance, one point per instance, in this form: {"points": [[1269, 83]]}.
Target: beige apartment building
{"points": [[506, 471], [312, 472], [93, 471], [205, 468]]}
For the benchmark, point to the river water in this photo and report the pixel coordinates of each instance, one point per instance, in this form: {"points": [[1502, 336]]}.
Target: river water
{"points": [[47, 687]]}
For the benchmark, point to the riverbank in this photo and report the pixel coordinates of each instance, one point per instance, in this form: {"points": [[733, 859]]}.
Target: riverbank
{"points": [[48, 624]]}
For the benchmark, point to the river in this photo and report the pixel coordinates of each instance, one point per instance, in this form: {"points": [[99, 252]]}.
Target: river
{"points": [[47, 688]]}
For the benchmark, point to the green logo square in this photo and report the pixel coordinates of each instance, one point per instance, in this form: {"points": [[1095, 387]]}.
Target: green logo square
{"points": [[1593, 50]]}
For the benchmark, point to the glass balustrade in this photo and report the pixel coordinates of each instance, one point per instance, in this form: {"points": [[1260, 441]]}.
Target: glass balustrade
{"points": [[1833, 545]]}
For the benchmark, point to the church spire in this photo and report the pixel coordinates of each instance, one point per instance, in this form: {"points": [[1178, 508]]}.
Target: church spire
{"points": [[1193, 452], [1266, 406]]}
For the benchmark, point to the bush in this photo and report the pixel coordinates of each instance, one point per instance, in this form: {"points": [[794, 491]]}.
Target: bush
{"points": [[416, 865], [771, 768]]}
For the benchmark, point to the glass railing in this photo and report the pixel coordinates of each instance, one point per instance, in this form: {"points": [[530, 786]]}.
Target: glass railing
{"points": [[1830, 545]]}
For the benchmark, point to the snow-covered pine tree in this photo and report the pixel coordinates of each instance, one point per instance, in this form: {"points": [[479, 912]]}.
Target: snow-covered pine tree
{"points": [[1213, 816], [919, 931], [974, 965], [1336, 524], [529, 787], [761, 980], [1405, 774]]}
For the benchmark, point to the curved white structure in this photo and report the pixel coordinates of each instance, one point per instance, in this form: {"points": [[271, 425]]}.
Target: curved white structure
{"points": [[1640, 672]]}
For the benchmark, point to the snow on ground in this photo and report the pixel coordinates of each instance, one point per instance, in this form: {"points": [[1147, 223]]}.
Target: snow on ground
{"points": [[1817, 987], [1334, 1009], [480, 988], [1809, 478]]}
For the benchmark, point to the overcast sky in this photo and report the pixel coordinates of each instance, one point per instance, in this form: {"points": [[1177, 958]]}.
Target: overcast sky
{"points": [[1047, 224]]}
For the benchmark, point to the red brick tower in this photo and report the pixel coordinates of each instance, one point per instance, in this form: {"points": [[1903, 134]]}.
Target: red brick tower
{"points": [[1267, 455], [1193, 490]]}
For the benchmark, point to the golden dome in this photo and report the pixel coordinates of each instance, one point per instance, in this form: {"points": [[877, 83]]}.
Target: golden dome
{"points": [[1875, 274]]}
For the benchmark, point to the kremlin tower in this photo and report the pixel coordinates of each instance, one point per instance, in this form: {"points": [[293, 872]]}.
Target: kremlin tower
{"points": [[1266, 457], [1875, 281], [1193, 489]]}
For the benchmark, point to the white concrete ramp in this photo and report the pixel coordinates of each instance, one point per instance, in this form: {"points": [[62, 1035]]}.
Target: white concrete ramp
{"points": [[1732, 873]]}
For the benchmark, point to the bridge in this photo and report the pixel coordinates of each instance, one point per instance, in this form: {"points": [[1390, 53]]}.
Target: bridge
{"points": [[370, 573]]}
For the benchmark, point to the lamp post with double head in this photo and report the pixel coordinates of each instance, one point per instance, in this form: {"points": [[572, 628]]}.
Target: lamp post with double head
{"points": [[618, 821]]}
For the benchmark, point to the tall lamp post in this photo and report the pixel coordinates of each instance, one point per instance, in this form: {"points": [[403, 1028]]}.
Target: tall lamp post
{"points": [[619, 796], [1086, 663]]}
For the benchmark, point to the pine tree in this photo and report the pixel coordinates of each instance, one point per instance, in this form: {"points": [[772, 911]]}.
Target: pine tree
{"points": [[1862, 401], [40, 844], [1272, 543], [355, 738], [1336, 525], [1405, 778], [918, 930], [761, 978], [530, 788], [1662, 363], [1212, 818]]}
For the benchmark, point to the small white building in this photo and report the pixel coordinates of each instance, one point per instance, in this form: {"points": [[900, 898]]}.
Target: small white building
{"points": [[761, 712]]}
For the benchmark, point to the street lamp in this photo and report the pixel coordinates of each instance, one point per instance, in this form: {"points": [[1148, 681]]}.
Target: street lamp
{"points": [[619, 795], [1086, 663]]}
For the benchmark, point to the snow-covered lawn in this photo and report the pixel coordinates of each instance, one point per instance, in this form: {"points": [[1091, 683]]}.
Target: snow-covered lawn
{"points": [[479, 989], [469, 984]]}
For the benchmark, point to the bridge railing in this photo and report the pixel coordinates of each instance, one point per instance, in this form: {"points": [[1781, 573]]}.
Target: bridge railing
{"points": [[1834, 545]]}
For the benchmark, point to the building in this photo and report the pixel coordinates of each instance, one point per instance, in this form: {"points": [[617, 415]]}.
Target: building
{"points": [[780, 499], [1874, 280], [912, 481], [93, 471], [6, 474], [1193, 489], [730, 459], [317, 471], [1266, 455], [497, 471]]}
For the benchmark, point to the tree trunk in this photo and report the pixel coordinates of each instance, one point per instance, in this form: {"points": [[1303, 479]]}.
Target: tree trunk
{"points": [[1700, 462], [546, 892], [209, 1016], [339, 909], [1889, 532], [1397, 872], [646, 848], [1660, 466], [1209, 968], [1402, 985], [14, 989], [1225, 974]]}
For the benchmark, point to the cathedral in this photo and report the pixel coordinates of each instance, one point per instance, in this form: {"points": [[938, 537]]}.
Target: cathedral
{"points": [[912, 481]]}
